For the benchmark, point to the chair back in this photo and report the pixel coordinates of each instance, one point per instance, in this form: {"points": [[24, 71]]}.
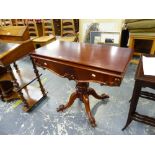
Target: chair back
{"points": [[48, 27], [7, 22], [32, 26], [67, 27], [1, 22], [20, 22]]}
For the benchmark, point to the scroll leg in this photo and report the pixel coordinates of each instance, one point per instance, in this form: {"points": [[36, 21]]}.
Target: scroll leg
{"points": [[70, 102], [92, 92], [87, 107]]}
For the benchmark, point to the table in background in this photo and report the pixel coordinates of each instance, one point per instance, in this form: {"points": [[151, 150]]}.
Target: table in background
{"points": [[21, 79], [14, 34], [84, 63]]}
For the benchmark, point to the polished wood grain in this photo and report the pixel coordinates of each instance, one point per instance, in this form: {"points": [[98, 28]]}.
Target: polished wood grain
{"points": [[14, 33], [84, 63], [81, 57]]}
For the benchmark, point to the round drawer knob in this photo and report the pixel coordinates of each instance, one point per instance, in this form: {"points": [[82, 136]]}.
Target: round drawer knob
{"points": [[93, 75], [45, 63]]}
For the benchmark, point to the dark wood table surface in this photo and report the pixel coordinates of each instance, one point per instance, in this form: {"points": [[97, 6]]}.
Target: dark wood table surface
{"points": [[84, 63]]}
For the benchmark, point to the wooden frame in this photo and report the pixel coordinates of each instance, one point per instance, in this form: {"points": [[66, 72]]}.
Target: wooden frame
{"points": [[93, 34]]}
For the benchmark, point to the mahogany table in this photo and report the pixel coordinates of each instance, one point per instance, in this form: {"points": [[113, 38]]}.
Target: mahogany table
{"points": [[84, 63], [16, 84], [14, 33]]}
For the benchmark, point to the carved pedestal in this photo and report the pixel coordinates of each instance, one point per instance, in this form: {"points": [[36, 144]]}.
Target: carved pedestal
{"points": [[82, 92]]}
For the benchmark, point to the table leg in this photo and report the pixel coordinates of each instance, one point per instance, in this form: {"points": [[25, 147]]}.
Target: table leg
{"points": [[70, 102], [88, 111], [92, 92], [82, 92]]}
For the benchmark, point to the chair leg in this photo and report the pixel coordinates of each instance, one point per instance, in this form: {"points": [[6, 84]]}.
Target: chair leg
{"points": [[134, 102]]}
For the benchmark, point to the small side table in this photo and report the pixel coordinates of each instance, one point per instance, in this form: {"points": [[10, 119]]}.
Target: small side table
{"points": [[141, 81]]}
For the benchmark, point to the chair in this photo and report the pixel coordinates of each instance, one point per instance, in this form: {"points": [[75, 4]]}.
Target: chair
{"points": [[68, 30], [20, 22], [141, 81], [48, 33], [7, 22], [32, 26], [1, 22]]}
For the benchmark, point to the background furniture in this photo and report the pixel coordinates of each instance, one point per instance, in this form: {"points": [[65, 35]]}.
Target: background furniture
{"points": [[142, 44], [68, 30], [48, 33], [14, 34], [32, 27], [7, 22], [141, 81], [21, 79], [84, 63], [20, 22], [141, 36], [57, 26]]}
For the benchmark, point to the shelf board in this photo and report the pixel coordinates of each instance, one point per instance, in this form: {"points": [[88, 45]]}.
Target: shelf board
{"points": [[33, 96]]}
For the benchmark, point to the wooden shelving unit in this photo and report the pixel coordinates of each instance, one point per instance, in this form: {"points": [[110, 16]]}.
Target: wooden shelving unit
{"points": [[31, 93]]}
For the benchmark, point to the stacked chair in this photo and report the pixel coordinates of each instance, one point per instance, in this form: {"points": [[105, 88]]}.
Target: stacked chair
{"points": [[68, 31], [20, 22], [6, 22], [48, 33]]}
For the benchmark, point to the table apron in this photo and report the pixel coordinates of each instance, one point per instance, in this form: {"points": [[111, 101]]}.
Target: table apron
{"points": [[78, 73]]}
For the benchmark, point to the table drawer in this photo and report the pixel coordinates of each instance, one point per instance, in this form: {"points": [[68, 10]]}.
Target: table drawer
{"points": [[57, 67], [78, 73], [83, 74]]}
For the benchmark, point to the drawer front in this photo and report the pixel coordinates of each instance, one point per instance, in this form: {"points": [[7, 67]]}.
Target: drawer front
{"points": [[78, 73], [59, 68], [95, 76]]}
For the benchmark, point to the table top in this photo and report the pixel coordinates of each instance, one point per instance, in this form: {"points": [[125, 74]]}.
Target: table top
{"points": [[6, 48], [12, 30], [11, 52], [100, 56], [140, 73]]}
